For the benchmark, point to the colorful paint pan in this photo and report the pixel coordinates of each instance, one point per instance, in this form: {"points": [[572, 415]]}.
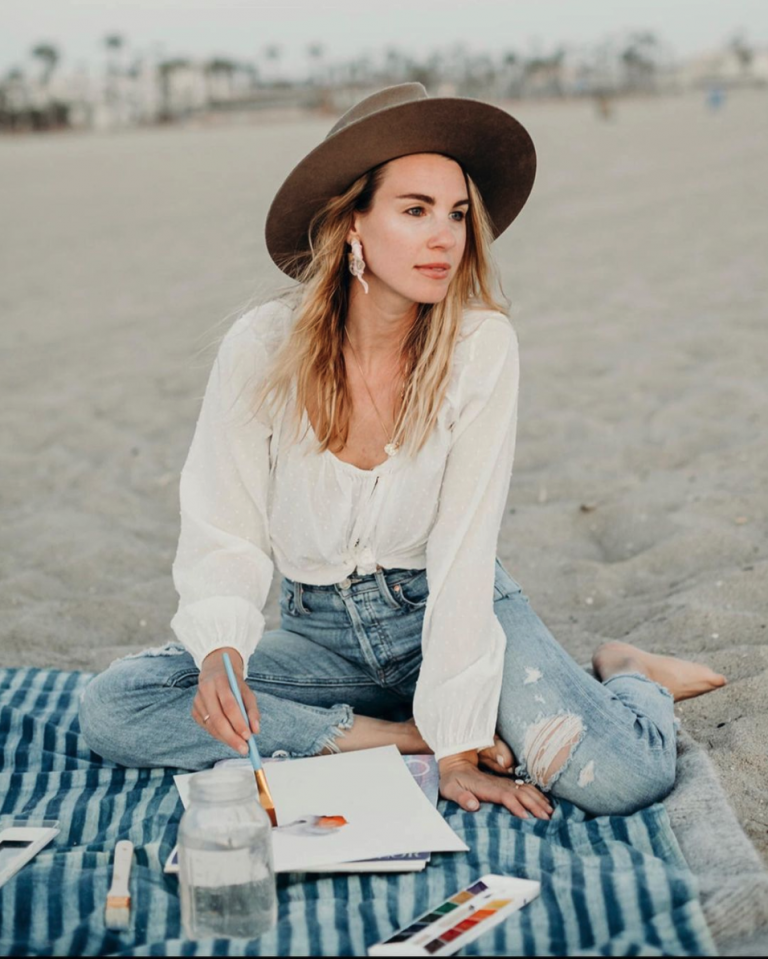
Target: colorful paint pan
{"points": [[460, 919]]}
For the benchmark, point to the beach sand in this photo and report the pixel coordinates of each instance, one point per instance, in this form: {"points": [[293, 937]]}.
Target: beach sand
{"points": [[638, 506]]}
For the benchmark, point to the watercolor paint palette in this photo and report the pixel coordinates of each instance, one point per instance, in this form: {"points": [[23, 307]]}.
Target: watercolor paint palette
{"points": [[461, 919]]}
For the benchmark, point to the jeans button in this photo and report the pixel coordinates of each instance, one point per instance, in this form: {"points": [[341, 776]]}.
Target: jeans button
{"points": [[345, 583]]}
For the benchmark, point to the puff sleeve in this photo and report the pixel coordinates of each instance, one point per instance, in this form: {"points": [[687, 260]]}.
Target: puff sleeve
{"points": [[457, 693], [223, 566]]}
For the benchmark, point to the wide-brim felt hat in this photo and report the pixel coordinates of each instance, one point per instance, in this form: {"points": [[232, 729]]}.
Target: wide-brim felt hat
{"points": [[491, 145]]}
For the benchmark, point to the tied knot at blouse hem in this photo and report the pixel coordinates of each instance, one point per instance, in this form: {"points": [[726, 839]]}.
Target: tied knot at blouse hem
{"points": [[250, 500]]}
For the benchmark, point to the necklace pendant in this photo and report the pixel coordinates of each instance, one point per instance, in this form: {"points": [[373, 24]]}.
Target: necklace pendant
{"points": [[391, 449]]}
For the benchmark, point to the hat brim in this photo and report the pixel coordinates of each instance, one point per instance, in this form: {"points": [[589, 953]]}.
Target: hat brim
{"points": [[493, 147]]}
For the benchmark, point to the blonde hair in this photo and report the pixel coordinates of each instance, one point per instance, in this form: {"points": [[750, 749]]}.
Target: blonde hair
{"points": [[312, 352]]}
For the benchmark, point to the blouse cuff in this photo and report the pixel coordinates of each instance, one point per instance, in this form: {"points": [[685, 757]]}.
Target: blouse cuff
{"points": [[216, 623], [446, 751]]}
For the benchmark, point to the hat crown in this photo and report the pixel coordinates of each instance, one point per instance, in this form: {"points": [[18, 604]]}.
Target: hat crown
{"points": [[388, 97]]}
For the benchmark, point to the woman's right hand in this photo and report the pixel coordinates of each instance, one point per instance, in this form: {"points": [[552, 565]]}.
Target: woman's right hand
{"points": [[215, 701]]}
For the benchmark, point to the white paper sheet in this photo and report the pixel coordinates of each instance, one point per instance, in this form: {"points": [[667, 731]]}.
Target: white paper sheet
{"points": [[386, 812]]}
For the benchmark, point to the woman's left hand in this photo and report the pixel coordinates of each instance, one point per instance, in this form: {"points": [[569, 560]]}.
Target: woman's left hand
{"points": [[499, 758], [464, 783]]}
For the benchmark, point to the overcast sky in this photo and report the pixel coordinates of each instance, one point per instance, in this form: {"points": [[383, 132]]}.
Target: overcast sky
{"points": [[346, 28]]}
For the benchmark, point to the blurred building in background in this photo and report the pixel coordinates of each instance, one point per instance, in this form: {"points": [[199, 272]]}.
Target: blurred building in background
{"points": [[138, 89]]}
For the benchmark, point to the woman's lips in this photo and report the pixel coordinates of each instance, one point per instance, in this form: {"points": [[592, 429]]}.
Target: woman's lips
{"points": [[436, 273]]}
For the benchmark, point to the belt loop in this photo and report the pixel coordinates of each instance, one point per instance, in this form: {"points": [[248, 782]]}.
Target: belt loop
{"points": [[299, 592], [384, 590]]}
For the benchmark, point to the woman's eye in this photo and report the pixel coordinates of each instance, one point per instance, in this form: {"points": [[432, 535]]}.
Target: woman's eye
{"points": [[459, 213]]}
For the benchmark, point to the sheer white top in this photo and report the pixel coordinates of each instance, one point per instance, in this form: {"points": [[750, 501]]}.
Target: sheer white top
{"points": [[252, 500]]}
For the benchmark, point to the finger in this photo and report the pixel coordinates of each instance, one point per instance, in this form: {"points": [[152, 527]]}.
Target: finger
{"points": [[197, 712], [536, 804], [459, 794], [523, 797], [218, 725], [502, 792], [251, 706], [511, 799], [526, 798], [538, 797], [536, 794], [487, 760], [503, 754], [232, 711], [508, 799]]}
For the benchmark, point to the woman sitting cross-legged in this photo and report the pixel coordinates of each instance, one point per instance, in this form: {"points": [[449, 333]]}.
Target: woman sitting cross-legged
{"points": [[358, 432]]}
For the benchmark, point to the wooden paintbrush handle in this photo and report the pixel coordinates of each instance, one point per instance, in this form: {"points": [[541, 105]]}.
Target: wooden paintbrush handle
{"points": [[121, 871]]}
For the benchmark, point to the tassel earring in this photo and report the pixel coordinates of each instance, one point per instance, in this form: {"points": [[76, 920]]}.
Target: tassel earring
{"points": [[356, 262]]}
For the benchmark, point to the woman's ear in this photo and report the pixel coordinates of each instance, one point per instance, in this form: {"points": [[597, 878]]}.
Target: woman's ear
{"points": [[354, 231]]}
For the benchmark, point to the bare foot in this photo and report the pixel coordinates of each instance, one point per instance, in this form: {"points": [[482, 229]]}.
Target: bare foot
{"points": [[366, 733], [681, 677]]}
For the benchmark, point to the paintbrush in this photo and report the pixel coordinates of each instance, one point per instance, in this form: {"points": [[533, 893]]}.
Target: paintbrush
{"points": [[117, 914], [265, 796]]}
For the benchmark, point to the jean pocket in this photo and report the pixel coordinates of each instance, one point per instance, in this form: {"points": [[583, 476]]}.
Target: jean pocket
{"points": [[411, 593], [183, 678]]}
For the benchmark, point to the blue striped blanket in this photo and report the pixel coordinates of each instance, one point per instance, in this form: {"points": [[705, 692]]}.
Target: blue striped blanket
{"points": [[610, 886]]}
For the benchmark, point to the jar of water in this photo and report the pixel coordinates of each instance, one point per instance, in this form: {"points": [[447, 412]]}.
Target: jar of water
{"points": [[226, 870]]}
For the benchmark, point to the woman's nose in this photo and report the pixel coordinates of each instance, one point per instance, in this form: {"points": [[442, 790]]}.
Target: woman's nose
{"points": [[443, 238]]}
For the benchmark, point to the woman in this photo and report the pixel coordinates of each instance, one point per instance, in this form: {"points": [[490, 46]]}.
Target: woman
{"points": [[381, 507]]}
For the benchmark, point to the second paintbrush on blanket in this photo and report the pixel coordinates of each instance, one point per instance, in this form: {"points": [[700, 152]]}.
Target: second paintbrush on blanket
{"points": [[265, 797]]}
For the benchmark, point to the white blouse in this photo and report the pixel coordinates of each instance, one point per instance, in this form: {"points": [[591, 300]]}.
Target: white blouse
{"points": [[252, 499]]}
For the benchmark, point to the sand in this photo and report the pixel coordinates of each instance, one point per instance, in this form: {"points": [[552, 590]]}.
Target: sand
{"points": [[638, 507]]}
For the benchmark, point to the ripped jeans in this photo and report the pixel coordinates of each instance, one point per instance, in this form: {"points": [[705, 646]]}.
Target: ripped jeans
{"points": [[608, 747]]}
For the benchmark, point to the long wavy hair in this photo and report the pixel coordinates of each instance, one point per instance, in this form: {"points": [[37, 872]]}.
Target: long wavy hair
{"points": [[311, 355]]}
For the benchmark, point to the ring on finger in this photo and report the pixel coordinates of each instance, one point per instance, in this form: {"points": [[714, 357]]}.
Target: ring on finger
{"points": [[206, 718]]}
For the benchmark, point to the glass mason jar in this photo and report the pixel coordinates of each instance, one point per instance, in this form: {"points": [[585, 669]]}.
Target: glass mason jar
{"points": [[226, 870]]}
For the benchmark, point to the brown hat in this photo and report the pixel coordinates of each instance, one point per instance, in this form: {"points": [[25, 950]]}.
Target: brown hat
{"points": [[493, 147]]}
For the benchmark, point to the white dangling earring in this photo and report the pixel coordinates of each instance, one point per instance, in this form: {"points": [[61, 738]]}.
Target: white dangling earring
{"points": [[356, 262]]}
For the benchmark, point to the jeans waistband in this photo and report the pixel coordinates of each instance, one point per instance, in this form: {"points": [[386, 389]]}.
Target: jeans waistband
{"points": [[361, 583]]}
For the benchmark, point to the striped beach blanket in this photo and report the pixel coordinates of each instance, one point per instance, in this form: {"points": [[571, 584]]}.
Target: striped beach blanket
{"points": [[610, 885]]}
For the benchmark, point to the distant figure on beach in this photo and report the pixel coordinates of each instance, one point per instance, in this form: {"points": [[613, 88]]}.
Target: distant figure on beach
{"points": [[358, 434], [715, 97], [604, 106]]}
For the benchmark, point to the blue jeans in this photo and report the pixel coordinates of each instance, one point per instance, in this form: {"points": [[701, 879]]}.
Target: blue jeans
{"points": [[609, 747]]}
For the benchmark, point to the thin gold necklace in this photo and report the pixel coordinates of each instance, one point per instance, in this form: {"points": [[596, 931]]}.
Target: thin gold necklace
{"points": [[392, 447]]}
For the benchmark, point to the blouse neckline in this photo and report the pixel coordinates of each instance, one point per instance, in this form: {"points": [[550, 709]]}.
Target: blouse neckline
{"points": [[384, 467]]}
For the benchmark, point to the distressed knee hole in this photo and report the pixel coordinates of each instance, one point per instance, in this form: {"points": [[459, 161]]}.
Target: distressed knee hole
{"points": [[548, 745]]}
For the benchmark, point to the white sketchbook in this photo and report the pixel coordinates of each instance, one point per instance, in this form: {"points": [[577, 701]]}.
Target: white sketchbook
{"points": [[336, 809]]}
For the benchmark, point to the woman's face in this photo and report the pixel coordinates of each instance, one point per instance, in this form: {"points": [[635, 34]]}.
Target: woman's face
{"points": [[417, 220]]}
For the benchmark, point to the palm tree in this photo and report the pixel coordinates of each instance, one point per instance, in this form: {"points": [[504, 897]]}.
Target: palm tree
{"points": [[640, 60], [165, 71], [743, 53], [315, 53], [49, 56], [114, 43], [220, 67], [273, 53], [15, 99]]}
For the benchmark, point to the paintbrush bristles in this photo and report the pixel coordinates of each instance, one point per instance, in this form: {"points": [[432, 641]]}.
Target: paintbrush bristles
{"points": [[265, 796], [117, 915]]}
